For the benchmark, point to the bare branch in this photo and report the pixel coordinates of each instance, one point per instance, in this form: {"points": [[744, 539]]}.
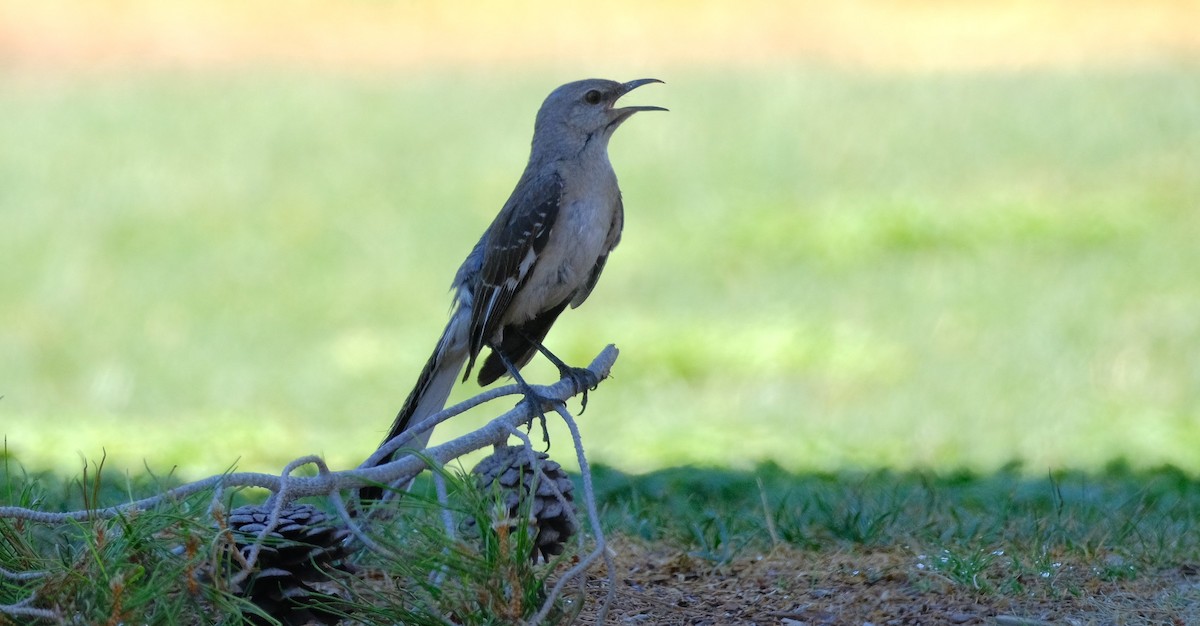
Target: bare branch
{"points": [[495, 431], [21, 576], [22, 609], [286, 487]]}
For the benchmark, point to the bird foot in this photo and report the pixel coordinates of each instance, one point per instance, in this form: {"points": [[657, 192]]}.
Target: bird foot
{"points": [[584, 380], [537, 405]]}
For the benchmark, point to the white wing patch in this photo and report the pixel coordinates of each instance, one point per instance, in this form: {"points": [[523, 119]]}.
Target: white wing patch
{"points": [[523, 268]]}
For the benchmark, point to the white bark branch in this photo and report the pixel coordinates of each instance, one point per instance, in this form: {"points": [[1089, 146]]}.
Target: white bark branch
{"points": [[495, 431], [286, 487]]}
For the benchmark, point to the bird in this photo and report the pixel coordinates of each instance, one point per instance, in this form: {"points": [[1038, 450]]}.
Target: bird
{"points": [[544, 251]]}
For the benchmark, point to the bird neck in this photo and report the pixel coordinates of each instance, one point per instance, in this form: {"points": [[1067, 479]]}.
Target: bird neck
{"points": [[553, 147]]}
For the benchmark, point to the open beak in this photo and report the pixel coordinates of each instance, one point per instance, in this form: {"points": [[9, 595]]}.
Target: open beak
{"points": [[630, 86]]}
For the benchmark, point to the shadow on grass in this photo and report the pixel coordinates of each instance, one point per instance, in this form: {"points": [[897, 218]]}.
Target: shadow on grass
{"points": [[1120, 517]]}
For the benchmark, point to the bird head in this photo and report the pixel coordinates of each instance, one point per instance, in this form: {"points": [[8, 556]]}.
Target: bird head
{"points": [[584, 110]]}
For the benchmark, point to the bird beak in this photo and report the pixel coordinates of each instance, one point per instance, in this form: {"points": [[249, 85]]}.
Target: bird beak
{"points": [[630, 86]]}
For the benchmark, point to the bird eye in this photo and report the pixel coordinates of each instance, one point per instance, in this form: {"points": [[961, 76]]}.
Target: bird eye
{"points": [[592, 97]]}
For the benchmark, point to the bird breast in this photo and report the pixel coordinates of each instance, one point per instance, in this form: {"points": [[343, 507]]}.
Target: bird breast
{"points": [[575, 244]]}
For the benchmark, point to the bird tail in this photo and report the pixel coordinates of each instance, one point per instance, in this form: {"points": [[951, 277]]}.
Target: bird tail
{"points": [[433, 387]]}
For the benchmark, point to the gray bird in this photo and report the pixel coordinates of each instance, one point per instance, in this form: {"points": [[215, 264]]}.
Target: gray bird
{"points": [[545, 250]]}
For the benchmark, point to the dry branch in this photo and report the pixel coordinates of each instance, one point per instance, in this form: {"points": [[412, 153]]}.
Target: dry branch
{"points": [[495, 431], [286, 487]]}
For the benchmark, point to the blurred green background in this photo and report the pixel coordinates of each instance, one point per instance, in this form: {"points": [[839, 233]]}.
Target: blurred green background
{"points": [[836, 255]]}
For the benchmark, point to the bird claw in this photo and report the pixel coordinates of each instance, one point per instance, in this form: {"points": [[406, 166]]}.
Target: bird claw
{"points": [[536, 402], [583, 379]]}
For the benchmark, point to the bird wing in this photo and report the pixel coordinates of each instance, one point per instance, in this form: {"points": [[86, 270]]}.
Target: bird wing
{"points": [[513, 243], [614, 237]]}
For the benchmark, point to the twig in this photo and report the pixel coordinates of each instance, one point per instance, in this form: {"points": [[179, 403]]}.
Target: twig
{"points": [[439, 485], [352, 524], [278, 501], [21, 609], [21, 576], [286, 488], [589, 497], [398, 441], [324, 484]]}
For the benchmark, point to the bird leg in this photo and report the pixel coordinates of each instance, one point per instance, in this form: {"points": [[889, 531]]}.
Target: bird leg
{"points": [[583, 378], [536, 401]]}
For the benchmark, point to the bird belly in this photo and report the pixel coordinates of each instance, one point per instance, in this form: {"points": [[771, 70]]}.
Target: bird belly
{"points": [[565, 264]]}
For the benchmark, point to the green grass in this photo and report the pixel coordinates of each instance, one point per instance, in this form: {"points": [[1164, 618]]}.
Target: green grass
{"points": [[1113, 546], [1116, 544], [174, 563], [1144, 520], [820, 269]]}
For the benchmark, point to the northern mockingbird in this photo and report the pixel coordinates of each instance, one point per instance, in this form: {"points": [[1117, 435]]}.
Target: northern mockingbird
{"points": [[545, 250]]}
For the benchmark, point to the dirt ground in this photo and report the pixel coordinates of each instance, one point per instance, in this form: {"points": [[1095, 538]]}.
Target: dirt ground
{"points": [[888, 587]]}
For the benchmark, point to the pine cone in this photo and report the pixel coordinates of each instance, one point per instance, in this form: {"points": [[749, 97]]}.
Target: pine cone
{"points": [[511, 470], [304, 549]]}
